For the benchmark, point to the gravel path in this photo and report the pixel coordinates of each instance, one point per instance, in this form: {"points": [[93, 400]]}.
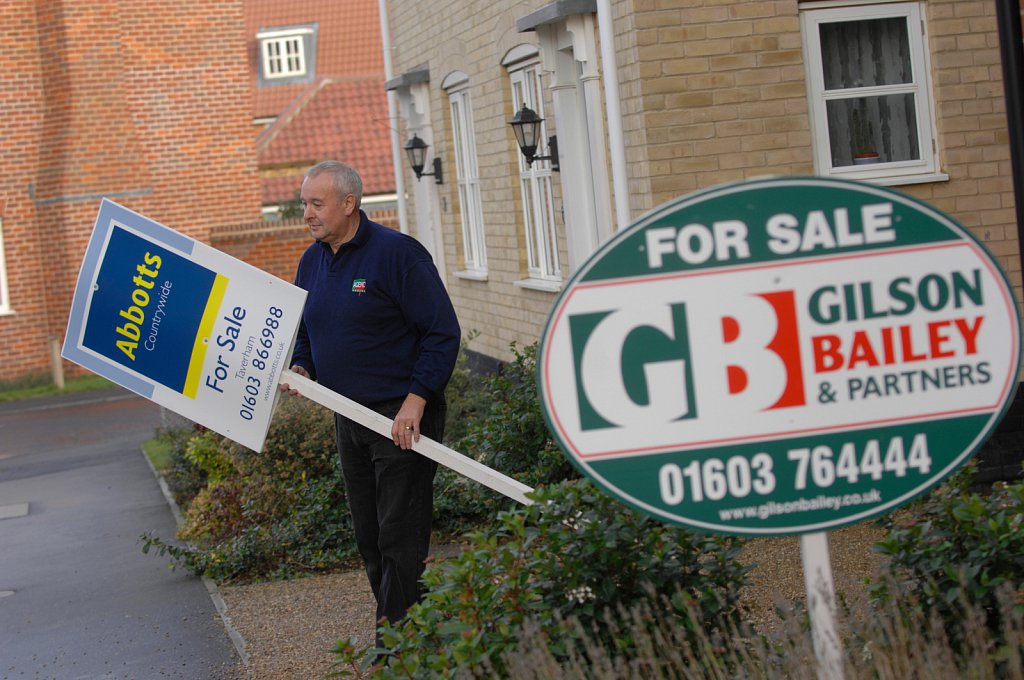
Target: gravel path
{"points": [[778, 577], [290, 627]]}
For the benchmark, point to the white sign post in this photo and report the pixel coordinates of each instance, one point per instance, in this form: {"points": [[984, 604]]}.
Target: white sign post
{"points": [[206, 335], [426, 446], [821, 604]]}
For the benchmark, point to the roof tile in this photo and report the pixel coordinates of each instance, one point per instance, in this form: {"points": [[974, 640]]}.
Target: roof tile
{"points": [[343, 115], [341, 120], [348, 44]]}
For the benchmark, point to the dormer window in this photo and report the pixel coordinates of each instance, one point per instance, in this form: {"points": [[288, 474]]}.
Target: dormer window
{"points": [[284, 57], [287, 55]]}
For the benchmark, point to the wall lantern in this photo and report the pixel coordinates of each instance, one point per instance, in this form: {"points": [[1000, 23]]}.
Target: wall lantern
{"points": [[526, 126], [416, 150]]}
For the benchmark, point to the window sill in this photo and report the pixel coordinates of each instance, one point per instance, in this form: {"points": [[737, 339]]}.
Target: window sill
{"points": [[470, 275], [542, 285], [895, 180], [909, 179]]}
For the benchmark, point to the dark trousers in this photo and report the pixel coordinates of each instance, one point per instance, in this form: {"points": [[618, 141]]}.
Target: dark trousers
{"points": [[391, 496]]}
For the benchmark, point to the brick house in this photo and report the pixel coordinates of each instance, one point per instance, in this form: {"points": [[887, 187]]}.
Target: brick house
{"points": [[316, 69], [145, 102], [194, 114], [711, 91]]}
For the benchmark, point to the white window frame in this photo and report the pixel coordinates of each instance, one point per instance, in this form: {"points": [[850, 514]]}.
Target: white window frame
{"points": [[544, 271], [926, 168], [5, 295], [467, 178], [289, 61]]}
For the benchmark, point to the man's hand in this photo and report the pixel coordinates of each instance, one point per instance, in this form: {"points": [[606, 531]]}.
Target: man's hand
{"points": [[285, 387], [406, 428]]}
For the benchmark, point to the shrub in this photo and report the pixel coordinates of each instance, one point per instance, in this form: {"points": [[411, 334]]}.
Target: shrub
{"points": [[465, 395], [511, 435], [184, 478], [267, 514], [506, 432], [273, 513], [577, 552], [203, 451], [895, 642], [215, 514], [956, 548]]}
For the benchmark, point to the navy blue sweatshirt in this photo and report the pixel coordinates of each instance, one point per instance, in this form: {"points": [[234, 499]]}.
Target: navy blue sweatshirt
{"points": [[378, 323]]}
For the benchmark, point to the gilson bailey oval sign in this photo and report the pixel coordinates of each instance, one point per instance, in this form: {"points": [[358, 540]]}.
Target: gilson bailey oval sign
{"points": [[780, 356]]}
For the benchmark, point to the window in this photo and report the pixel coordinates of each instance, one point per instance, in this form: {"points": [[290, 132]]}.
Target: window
{"points": [[5, 298], [869, 89], [283, 57], [287, 54], [467, 175], [543, 269]]}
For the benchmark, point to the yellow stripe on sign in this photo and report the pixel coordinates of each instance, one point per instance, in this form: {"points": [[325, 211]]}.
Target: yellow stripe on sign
{"points": [[195, 365]]}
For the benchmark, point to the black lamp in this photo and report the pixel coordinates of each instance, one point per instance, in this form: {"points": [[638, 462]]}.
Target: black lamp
{"points": [[526, 126], [416, 150]]}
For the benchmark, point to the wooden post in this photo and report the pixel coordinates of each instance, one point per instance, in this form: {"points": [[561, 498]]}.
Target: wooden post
{"points": [[56, 364]]}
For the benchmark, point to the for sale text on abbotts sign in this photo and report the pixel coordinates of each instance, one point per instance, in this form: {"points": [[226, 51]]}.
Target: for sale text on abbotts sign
{"points": [[780, 356]]}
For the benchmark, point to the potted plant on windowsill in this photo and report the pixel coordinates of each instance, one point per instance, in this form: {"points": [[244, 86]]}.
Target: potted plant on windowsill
{"points": [[863, 139]]}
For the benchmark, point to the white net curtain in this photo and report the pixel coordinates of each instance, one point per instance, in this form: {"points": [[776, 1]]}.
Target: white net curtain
{"points": [[870, 92]]}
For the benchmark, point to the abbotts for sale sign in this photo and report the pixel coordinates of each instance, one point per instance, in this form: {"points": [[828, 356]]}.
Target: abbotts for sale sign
{"points": [[780, 356]]}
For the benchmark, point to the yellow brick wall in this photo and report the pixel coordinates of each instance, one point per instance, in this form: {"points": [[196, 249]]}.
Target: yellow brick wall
{"points": [[972, 128], [721, 97], [473, 37], [722, 94]]}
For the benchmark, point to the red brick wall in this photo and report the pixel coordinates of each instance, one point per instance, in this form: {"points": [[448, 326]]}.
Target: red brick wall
{"points": [[23, 334], [275, 247], [147, 102]]}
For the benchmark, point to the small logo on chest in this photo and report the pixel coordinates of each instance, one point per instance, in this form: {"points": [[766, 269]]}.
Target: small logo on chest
{"points": [[359, 286]]}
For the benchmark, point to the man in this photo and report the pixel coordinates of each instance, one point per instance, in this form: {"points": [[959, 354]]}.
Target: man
{"points": [[378, 327]]}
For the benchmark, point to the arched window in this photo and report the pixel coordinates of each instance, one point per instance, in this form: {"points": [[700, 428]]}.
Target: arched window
{"points": [[543, 268], [467, 176]]}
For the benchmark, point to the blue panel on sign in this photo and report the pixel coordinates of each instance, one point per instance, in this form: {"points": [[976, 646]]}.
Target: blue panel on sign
{"points": [[147, 307]]}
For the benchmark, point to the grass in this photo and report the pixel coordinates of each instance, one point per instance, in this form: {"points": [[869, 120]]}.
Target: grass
{"points": [[41, 386], [160, 452]]}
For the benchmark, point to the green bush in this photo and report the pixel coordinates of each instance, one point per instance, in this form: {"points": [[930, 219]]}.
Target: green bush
{"points": [[465, 395], [574, 552], [511, 434], [283, 510], [956, 548], [184, 478], [268, 514], [505, 430], [204, 452]]}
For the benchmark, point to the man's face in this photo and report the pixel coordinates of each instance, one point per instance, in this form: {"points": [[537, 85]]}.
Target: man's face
{"points": [[326, 214]]}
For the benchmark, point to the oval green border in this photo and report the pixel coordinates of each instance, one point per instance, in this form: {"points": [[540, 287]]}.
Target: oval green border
{"points": [[704, 195]]}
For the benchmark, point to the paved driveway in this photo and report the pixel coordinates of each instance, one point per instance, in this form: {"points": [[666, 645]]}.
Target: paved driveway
{"points": [[78, 599]]}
